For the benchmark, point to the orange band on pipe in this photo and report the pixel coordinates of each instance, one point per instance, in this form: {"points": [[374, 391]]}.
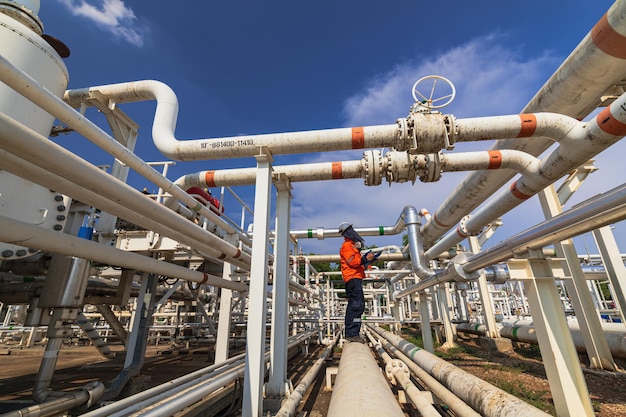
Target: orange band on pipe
{"points": [[495, 159], [238, 254], [336, 170], [205, 279], [437, 221], [209, 178], [517, 193], [609, 124], [458, 232], [358, 138], [608, 40], [529, 125]]}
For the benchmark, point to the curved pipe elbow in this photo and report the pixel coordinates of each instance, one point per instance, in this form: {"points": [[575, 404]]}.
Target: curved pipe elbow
{"points": [[411, 218]]}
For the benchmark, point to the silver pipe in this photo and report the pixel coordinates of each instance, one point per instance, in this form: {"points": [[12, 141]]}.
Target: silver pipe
{"points": [[416, 248], [598, 211], [483, 397], [41, 389]]}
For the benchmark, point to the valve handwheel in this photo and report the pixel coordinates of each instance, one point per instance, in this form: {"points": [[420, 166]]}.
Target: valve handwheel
{"points": [[439, 92]]}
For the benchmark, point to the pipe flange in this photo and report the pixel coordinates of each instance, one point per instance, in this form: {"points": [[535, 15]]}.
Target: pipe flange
{"points": [[401, 167], [393, 367], [452, 129], [403, 134], [463, 230], [373, 167], [432, 169]]}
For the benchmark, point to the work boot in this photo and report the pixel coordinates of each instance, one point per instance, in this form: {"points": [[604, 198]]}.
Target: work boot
{"points": [[357, 339]]}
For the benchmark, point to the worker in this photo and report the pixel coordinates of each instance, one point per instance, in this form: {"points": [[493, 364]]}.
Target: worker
{"points": [[353, 271]]}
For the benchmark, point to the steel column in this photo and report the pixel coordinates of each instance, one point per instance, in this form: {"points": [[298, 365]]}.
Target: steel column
{"points": [[257, 304], [485, 296]]}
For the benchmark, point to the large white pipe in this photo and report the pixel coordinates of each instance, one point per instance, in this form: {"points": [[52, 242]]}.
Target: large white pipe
{"points": [[596, 65], [27, 235], [488, 400], [360, 389], [583, 141]]}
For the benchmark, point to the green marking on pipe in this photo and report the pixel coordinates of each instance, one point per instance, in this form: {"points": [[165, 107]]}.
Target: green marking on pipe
{"points": [[197, 207], [414, 351], [476, 327], [309, 233], [514, 333], [381, 230]]}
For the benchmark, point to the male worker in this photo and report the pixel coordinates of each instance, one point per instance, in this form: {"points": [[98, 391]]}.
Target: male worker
{"points": [[353, 272]]}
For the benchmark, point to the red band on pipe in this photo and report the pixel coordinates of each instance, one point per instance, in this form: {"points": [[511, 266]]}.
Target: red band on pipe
{"points": [[209, 178], [458, 232], [358, 138], [495, 159], [517, 193], [222, 256], [437, 221], [337, 170], [529, 125], [205, 279], [609, 124], [608, 40], [238, 254]]}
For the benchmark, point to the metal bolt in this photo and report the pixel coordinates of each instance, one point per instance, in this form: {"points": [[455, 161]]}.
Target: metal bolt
{"points": [[61, 207], [61, 217], [58, 197], [21, 252], [7, 253], [58, 227]]}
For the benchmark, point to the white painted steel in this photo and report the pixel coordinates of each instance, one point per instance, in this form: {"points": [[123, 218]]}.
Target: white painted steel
{"points": [[252, 402], [29, 52], [615, 269], [360, 389]]}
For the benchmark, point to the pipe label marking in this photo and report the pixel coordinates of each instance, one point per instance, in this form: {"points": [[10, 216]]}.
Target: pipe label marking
{"points": [[358, 138]]}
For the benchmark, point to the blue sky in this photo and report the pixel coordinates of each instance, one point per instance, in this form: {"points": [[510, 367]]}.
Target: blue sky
{"points": [[243, 67]]}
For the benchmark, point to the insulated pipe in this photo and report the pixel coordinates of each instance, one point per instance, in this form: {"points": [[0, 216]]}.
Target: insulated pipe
{"points": [[19, 140], [444, 394], [483, 397], [398, 374], [596, 212], [40, 95], [604, 209], [410, 217], [596, 65], [232, 147], [25, 234], [288, 407], [581, 143], [352, 396]]}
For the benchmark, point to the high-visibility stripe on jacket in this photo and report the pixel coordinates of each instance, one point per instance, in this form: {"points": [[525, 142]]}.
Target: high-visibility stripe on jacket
{"points": [[351, 266]]}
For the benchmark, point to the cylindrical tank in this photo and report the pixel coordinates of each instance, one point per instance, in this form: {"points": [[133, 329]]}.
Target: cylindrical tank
{"points": [[24, 47]]}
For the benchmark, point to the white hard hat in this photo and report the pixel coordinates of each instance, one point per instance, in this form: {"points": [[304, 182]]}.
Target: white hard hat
{"points": [[344, 226]]}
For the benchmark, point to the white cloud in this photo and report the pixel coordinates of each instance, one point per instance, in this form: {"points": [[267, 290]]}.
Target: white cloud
{"points": [[490, 80], [110, 15]]}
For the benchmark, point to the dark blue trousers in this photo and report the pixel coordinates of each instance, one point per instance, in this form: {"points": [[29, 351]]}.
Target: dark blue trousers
{"points": [[356, 306]]}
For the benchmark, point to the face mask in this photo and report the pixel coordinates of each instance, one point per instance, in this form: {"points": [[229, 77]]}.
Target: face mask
{"points": [[357, 245]]}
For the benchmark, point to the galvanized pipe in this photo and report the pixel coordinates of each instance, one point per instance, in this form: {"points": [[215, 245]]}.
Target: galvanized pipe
{"points": [[483, 397], [41, 389], [85, 396], [351, 396], [25, 234], [412, 221], [595, 66]]}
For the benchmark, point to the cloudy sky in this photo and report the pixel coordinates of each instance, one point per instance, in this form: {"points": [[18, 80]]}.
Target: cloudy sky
{"points": [[243, 67]]}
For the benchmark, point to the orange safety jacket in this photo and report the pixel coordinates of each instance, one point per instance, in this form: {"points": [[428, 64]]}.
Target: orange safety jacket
{"points": [[351, 266]]}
